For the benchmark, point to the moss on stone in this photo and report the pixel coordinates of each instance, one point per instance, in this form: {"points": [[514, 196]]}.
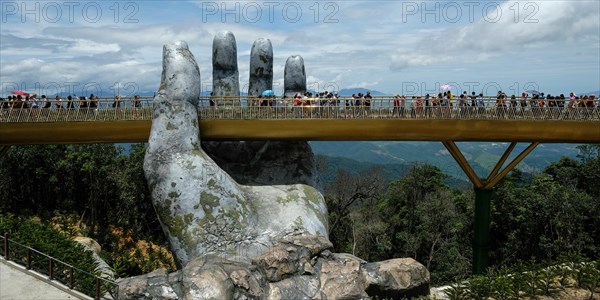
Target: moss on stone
{"points": [[164, 212], [260, 71], [264, 58], [209, 199], [190, 165], [188, 218], [212, 184], [280, 200], [170, 126], [312, 195]]}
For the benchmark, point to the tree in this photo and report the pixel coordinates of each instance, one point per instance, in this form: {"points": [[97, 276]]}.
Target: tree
{"points": [[541, 220], [349, 192], [428, 222]]}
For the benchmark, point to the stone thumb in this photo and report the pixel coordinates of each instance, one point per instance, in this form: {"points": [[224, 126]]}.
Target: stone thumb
{"points": [[180, 78], [175, 116]]}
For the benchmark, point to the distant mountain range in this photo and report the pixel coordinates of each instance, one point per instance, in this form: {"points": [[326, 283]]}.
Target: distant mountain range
{"points": [[349, 92], [396, 157]]}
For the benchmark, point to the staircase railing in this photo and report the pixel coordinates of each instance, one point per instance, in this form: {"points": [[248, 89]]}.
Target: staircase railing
{"points": [[57, 270]]}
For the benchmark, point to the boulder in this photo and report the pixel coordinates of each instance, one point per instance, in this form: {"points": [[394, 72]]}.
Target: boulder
{"points": [[396, 278], [89, 243], [102, 268], [296, 268], [341, 277], [291, 257], [154, 285], [205, 278]]}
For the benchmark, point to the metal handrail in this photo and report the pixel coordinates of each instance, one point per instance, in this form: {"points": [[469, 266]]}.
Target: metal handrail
{"points": [[58, 270], [486, 108]]}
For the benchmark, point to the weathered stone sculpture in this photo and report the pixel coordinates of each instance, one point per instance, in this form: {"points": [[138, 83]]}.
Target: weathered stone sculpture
{"points": [[261, 67], [245, 220], [294, 78], [272, 191], [226, 78]]}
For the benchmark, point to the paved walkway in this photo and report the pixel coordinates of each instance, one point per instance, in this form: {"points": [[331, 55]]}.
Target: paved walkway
{"points": [[15, 284]]}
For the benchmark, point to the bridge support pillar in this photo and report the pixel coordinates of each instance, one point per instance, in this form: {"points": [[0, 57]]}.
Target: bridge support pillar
{"points": [[483, 194], [481, 227]]}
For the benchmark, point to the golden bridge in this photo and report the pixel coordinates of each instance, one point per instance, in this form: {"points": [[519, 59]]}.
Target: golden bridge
{"points": [[244, 119], [341, 120]]}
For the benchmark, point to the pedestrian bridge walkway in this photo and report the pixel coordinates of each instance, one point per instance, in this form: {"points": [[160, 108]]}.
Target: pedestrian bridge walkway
{"points": [[245, 119]]}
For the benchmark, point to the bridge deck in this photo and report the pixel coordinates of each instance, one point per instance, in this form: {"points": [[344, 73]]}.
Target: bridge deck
{"points": [[334, 123]]}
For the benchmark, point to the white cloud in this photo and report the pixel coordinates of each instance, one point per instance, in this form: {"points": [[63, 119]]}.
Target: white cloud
{"points": [[544, 24], [370, 44]]}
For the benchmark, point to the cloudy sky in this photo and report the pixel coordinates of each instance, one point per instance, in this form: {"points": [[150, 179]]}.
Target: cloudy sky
{"points": [[409, 47]]}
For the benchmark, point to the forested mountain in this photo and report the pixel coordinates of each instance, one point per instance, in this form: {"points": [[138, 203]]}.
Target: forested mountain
{"points": [[482, 156]]}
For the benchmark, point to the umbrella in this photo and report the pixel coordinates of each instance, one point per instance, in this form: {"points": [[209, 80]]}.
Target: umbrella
{"points": [[445, 87], [268, 93], [533, 92], [20, 93]]}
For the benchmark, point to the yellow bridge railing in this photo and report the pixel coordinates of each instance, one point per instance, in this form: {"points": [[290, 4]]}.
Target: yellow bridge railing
{"points": [[241, 108]]}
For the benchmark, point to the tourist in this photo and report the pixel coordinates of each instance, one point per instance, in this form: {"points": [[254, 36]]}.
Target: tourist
{"points": [[572, 100], [58, 102], [500, 104], [523, 101], [70, 103], [33, 103], [297, 105], [117, 102], [481, 104], [367, 102], [137, 102], [513, 105], [83, 104], [462, 103], [93, 102], [46, 101], [436, 103], [473, 99]]}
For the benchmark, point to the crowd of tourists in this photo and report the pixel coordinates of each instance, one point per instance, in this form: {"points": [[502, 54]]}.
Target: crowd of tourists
{"points": [[329, 104], [71, 102]]}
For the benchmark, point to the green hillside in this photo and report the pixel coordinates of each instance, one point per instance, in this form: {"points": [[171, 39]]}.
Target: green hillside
{"points": [[482, 156], [329, 166]]}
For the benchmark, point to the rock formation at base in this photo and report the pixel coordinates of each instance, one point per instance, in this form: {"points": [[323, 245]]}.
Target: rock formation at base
{"points": [[261, 67], [294, 78], [299, 267]]}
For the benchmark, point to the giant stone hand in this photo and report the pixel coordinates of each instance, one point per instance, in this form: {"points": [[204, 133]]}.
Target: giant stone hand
{"points": [[234, 199]]}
